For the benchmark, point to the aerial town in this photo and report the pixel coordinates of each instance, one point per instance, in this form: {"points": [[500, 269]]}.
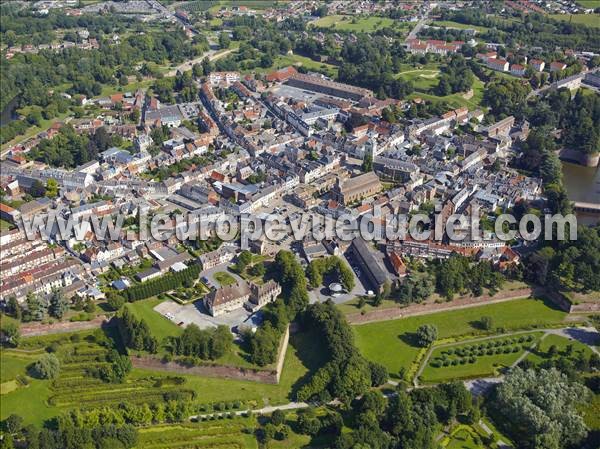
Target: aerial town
{"points": [[151, 150]]}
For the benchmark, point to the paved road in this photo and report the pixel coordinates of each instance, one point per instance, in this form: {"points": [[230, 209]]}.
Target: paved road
{"points": [[260, 411], [418, 26], [212, 55]]}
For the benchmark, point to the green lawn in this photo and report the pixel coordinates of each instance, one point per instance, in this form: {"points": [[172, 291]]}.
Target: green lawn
{"points": [[226, 433], [5, 225], [463, 439], [296, 60], [460, 26], [591, 20], [392, 342], [593, 4], [357, 24], [541, 353], [301, 357], [160, 326], [224, 278], [481, 364], [456, 100], [423, 79]]}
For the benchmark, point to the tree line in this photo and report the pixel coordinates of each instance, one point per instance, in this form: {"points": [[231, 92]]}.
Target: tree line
{"points": [[165, 283]]}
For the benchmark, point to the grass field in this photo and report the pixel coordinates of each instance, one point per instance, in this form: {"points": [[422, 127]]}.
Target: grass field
{"points": [[456, 100], [480, 359], [224, 278], [296, 60], [460, 26], [591, 20], [392, 342], [160, 326], [301, 358], [592, 4], [423, 79], [356, 24], [541, 352], [223, 433], [43, 399]]}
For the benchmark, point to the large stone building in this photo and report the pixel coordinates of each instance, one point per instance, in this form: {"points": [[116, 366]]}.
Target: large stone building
{"points": [[371, 266], [357, 188], [241, 294], [325, 86]]}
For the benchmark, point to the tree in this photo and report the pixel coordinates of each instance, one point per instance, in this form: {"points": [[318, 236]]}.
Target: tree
{"points": [[278, 417], [46, 367], [486, 323], [367, 164], [9, 332], [13, 308], [224, 39], [51, 188], [115, 301], [426, 334], [539, 408], [36, 308], [58, 304], [14, 423]]}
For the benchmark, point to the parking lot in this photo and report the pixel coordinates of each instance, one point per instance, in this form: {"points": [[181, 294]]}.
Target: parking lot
{"points": [[184, 315]]}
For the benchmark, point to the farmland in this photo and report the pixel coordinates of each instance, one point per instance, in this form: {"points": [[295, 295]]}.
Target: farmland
{"points": [[392, 343]]}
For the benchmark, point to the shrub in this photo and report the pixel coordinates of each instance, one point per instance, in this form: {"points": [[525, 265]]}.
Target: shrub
{"points": [[46, 367]]}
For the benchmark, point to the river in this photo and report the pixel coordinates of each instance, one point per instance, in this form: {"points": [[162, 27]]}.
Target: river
{"points": [[9, 113], [582, 184]]}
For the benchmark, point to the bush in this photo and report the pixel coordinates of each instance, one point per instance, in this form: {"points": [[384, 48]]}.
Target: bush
{"points": [[46, 367]]}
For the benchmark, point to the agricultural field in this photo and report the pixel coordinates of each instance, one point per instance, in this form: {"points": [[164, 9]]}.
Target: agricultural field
{"points": [[392, 343], [357, 24], [482, 358], [591, 20]]}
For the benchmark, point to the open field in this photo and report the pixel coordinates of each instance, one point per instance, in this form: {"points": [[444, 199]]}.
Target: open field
{"points": [[356, 24], [224, 278], [460, 26], [591, 20], [43, 399], [456, 100], [160, 326], [422, 79], [231, 433], [541, 352], [593, 4], [392, 343], [482, 358], [298, 60], [300, 359]]}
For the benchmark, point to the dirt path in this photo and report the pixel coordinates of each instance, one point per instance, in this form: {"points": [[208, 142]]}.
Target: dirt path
{"points": [[425, 309], [37, 329]]}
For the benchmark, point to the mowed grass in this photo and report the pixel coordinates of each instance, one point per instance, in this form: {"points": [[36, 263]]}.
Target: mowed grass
{"points": [[282, 61], [422, 79], [356, 24], [230, 433], [591, 20], [391, 343], [541, 352], [484, 365], [460, 26], [463, 439], [224, 278], [302, 357], [160, 326], [456, 100], [592, 4]]}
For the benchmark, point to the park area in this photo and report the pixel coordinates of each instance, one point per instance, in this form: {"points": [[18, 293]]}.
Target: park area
{"points": [[591, 20], [358, 24], [477, 358], [83, 353], [393, 343]]}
